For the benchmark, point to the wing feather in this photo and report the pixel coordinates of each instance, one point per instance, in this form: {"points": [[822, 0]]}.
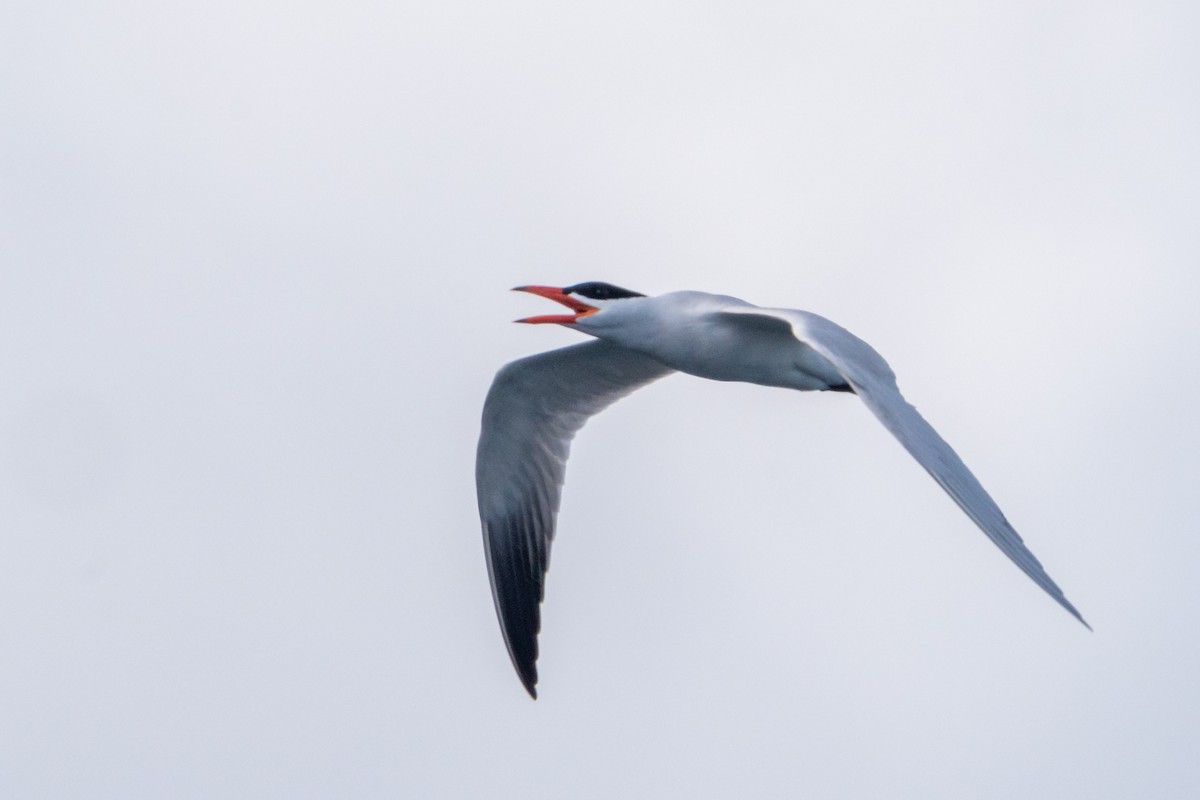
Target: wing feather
{"points": [[875, 384], [533, 410]]}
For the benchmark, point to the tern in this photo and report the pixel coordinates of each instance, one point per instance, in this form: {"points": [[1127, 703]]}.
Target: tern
{"points": [[537, 404]]}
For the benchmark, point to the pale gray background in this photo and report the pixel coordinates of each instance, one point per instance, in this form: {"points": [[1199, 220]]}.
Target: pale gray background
{"points": [[253, 270]]}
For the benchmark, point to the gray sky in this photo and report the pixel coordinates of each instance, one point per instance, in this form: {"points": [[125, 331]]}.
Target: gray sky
{"points": [[253, 273]]}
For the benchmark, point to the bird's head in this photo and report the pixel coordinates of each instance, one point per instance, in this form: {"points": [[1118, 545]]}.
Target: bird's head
{"points": [[585, 299]]}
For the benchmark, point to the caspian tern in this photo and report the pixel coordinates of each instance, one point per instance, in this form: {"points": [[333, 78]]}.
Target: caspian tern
{"points": [[537, 404]]}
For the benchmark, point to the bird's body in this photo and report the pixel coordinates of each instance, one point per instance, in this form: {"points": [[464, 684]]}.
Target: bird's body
{"points": [[712, 336], [536, 405]]}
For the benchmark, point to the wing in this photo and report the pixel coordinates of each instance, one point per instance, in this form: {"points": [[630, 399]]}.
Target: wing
{"points": [[875, 383], [532, 412]]}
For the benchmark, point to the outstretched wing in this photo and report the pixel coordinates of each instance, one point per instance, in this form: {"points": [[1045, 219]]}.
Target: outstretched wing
{"points": [[875, 383], [532, 412]]}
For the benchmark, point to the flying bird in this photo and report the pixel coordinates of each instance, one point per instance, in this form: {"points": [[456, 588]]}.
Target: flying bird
{"points": [[537, 404]]}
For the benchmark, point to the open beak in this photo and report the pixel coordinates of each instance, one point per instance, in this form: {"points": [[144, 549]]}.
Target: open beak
{"points": [[556, 294]]}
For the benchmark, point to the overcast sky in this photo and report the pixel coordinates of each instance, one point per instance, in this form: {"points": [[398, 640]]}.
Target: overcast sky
{"points": [[254, 262]]}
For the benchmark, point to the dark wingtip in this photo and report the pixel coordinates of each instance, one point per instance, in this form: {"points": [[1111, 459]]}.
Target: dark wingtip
{"points": [[528, 674], [522, 622], [517, 566]]}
